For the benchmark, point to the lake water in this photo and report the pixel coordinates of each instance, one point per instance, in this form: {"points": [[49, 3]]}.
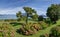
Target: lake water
{"points": [[8, 17]]}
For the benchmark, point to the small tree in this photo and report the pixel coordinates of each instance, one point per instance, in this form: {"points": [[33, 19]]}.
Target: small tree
{"points": [[19, 15], [40, 18], [30, 13]]}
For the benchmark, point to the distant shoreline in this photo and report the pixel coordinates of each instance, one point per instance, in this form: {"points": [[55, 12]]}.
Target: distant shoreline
{"points": [[12, 16]]}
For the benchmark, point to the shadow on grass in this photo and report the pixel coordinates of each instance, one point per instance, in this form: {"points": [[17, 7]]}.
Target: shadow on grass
{"points": [[42, 36], [20, 32], [23, 33], [15, 23]]}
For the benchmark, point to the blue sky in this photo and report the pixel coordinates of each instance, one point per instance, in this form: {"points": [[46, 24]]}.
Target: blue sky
{"points": [[13, 6]]}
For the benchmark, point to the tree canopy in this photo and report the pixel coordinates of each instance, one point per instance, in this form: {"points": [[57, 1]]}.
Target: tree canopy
{"points": [[53, 12], [30, 13]]}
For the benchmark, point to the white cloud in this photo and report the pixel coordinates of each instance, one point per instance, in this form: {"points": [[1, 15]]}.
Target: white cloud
{"points": [[11, 10], [15, 10], [40, 11]]}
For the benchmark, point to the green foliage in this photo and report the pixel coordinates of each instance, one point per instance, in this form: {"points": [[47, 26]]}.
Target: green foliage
{"points": [[55, 32], [53, 12], [47, 20], [30, 13], [30, 29], [35, 16], [43, 24], [19, 15]]}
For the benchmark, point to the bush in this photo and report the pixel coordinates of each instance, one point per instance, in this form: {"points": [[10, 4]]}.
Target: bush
{"points": [[29, 29], [6, 30], [43, 24], [55, 32]]}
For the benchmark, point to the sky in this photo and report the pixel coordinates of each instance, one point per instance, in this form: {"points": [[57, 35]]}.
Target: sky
{"points": [[13, 6]]}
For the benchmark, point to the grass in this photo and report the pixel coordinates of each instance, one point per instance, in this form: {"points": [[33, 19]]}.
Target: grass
{"points": [[41, 32], [6, 30]]}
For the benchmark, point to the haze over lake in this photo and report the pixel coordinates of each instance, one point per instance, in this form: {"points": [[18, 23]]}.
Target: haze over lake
{"points": [[13, 16], [8, 16]]}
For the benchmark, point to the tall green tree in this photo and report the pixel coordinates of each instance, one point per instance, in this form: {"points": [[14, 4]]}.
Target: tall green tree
{"points": [[29, 12], [53, 11]]}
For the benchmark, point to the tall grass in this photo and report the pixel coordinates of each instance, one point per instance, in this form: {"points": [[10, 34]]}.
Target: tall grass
{"points": [[6, 30]]}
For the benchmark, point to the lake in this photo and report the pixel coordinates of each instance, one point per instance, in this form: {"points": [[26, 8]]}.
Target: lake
{"points": [[8, 16], [11, 16]]}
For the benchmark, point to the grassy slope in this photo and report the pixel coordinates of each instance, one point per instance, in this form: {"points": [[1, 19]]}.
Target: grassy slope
{"points": [[39, 32]]}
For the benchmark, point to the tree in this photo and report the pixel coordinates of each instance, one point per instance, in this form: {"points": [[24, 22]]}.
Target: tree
{"points": [[29, 12], [19, 15], [40, 18], [53, 11]]}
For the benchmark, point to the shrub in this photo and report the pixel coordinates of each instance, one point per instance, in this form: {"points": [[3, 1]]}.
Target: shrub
{"points": [[43, 24], [29, 29], [6, 30], [55, 32], [40, 18]]}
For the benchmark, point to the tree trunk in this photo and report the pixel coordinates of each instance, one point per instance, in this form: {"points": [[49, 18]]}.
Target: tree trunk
{"points": [[27, 18]]}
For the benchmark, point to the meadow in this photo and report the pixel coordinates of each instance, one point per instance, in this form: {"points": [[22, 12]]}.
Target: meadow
{"points": [[14, 25]]}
